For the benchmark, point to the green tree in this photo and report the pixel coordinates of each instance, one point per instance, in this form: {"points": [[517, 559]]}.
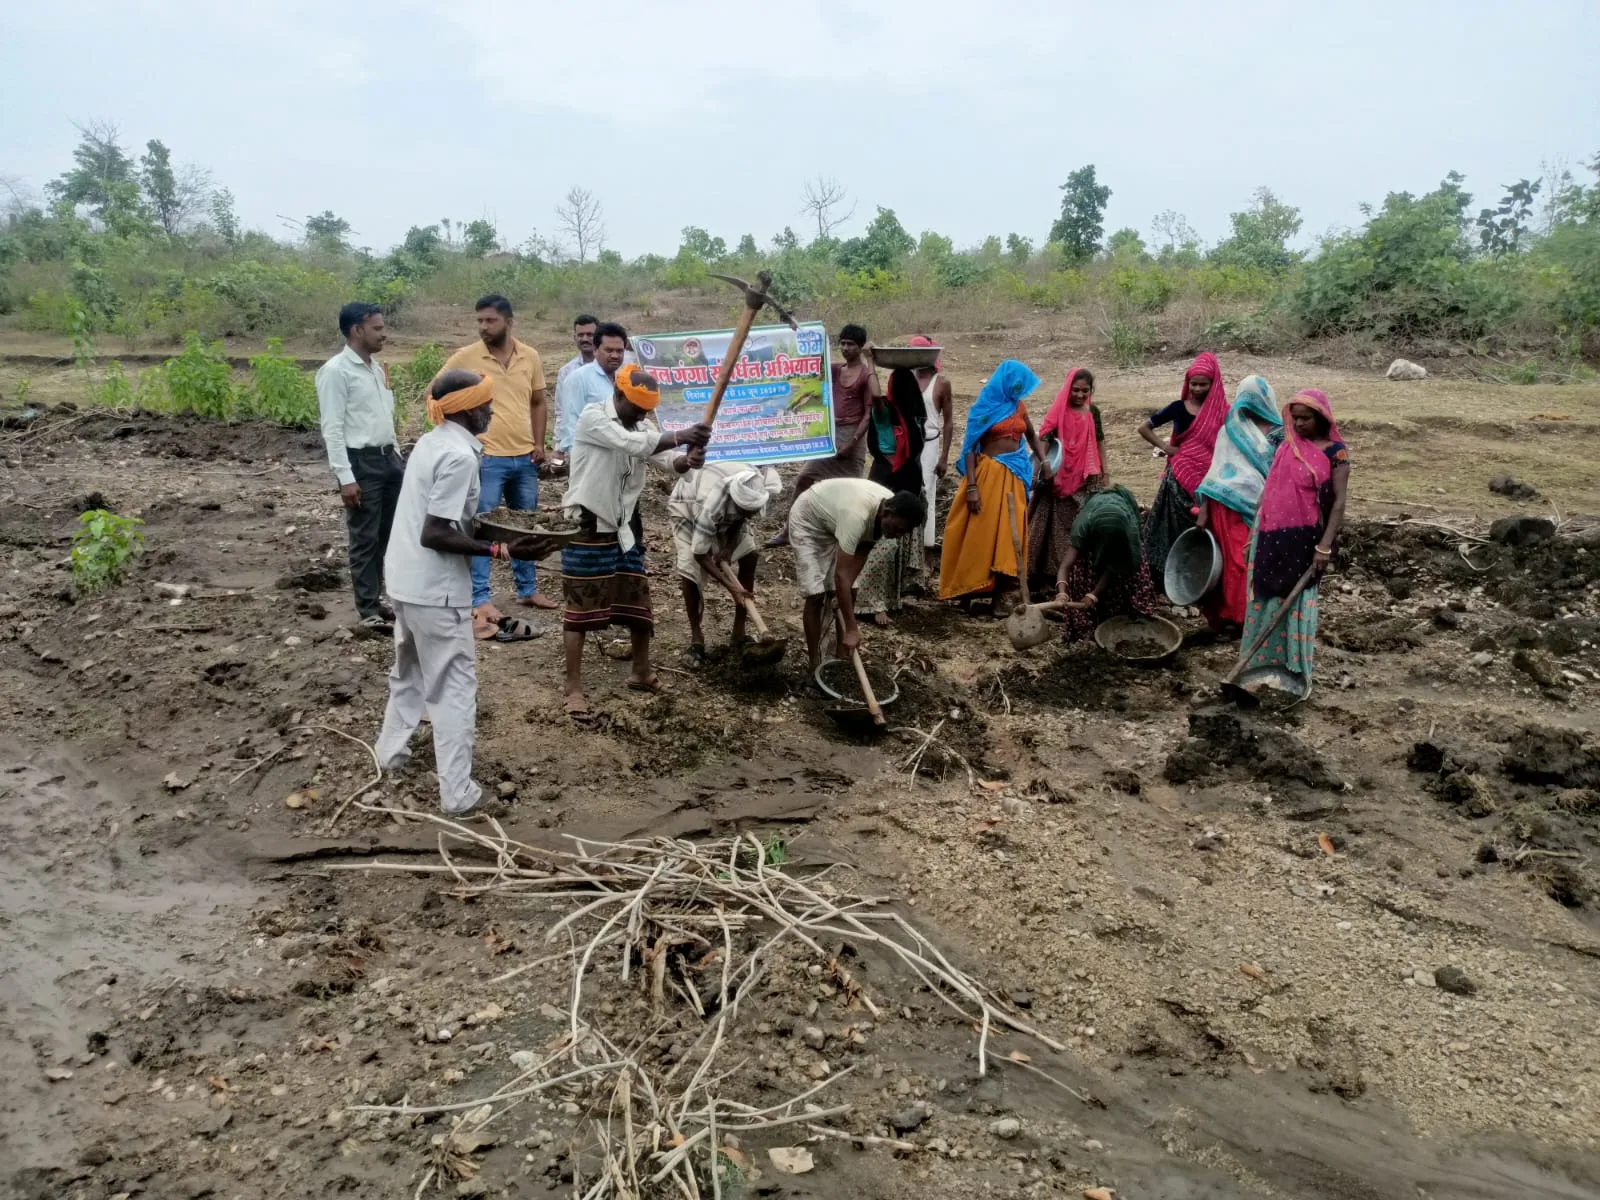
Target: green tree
{"points": [[330, 233], [1082, 219], [160, 185], [934, 246], [699, 244], [1179, 243], [1261, 234], [1018, 248], [479, 238], [747, 247], [223, 217], [1501, 230], [1573, 204], [101, 174], [882, 247], [786, 241], [1125, 245]]}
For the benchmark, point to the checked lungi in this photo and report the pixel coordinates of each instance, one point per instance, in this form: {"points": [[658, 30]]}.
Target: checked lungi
{"points": [[603, 585]]}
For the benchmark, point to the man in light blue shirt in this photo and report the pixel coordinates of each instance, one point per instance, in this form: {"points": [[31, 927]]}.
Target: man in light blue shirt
{"points": [[592, 383]]}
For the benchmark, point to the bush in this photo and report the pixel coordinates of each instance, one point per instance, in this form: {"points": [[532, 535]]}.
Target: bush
{"points": [[114, 390], [279, 390], [409, 381], [279, 298], [102, 549], [200, 381]]}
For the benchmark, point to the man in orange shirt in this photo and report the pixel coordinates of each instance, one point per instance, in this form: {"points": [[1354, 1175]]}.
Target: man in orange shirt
{"points": [[513, 447]]}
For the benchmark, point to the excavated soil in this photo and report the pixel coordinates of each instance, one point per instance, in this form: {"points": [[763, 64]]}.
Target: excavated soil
{"points": [[1347, 950]]}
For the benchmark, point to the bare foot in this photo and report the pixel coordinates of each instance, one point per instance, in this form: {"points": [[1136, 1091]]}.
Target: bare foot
{"points": [[881, 620]]}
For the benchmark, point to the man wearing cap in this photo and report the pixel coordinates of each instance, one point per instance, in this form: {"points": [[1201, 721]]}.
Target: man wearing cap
{"points": [[710, 509], [430, 583], [603, 571]]}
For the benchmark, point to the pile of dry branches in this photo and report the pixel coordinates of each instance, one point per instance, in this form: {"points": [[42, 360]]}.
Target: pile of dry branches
{"points": [[685, 923]]}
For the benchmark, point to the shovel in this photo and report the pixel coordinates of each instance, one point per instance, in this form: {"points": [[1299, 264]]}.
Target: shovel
{"points": [[766, 649], [1231, 690], [866, 690], [1026, 626]]}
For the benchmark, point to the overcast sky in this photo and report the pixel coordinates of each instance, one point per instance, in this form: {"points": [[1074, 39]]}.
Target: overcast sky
{"points": [[962, 116]]}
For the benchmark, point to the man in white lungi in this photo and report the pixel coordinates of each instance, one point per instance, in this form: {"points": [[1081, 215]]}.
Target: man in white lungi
{"points": [[711, 508], [428, 569], [939, 401], [833, 528]]}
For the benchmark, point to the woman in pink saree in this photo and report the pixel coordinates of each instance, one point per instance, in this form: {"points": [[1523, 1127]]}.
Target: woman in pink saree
{"points": [[1297, 528]]}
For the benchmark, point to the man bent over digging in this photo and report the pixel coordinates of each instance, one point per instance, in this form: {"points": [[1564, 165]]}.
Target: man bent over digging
{"points": [[603, 575]]}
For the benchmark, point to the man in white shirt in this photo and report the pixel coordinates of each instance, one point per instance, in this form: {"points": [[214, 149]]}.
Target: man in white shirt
{"points": [[833, 528], [603, 572], [357, 411], [593, 383], [430, 582], [583, 327], [711, 508]]}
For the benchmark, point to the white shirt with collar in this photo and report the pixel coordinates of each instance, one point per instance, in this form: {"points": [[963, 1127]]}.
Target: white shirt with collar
{"points": [[441, 481], [608, 469], [357, 409], [568, 367]]}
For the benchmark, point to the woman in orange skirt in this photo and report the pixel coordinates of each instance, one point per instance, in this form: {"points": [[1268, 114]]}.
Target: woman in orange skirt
{"points": [[989, 513]]}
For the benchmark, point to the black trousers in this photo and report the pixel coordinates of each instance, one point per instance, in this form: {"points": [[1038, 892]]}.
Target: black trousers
{"points": [[379, 471]]}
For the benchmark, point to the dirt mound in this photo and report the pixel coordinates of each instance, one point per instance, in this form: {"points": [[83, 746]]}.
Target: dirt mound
{"points": [[1525, 563], [1222, 742]]}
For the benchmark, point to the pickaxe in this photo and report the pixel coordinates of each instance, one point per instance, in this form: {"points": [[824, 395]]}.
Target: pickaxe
{"points": [[754, 298]]}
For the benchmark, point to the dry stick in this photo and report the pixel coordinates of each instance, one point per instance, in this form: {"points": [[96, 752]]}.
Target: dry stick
{"points": [[376, 779], [260, 762], [865, 1139], [972, 776], [405, 1110], [422, 1187], [1071, 1091]]}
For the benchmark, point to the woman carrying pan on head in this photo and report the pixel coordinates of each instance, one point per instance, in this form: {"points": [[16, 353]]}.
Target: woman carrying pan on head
{"points": [[895, 443], [1196, 417], [1228, 496], [1073, 425], [1102, 571], [1297, 529], [997, 462]]}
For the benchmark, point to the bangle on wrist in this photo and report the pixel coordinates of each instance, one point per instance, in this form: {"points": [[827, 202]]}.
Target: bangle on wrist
{"points": [[1323, 553]]}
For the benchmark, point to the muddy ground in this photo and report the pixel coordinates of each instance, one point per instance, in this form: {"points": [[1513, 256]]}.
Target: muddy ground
{"points": [[1347, 951]]}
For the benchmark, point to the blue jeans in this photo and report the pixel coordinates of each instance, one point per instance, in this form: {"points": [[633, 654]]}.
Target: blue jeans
{"points": [[515, 478]]}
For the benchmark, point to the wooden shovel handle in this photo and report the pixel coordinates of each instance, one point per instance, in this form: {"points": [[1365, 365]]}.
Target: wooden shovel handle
{"points": [[727, 580], [866, 688], [1019, 547], [1272, 625], [729, 360]]}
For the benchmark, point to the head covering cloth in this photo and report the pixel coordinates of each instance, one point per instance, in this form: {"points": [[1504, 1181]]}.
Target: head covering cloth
{"points": [[638, 387], [461, 400], [1243, 456], [1193, 447], [1074, 429], [1011, 383]]}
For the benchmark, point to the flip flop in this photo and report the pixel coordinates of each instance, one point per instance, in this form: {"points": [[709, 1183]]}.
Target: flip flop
{"points": [[695, 656], [581, 715], [515, 629], [653, 685]]}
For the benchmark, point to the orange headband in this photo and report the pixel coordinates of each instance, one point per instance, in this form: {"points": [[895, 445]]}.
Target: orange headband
{"points": [[460, 400], [638, 387]]}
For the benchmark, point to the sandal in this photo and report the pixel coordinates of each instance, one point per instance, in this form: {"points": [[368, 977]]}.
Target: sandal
{"points": [[515, 629], [695, 656], [653, 685], [375, 626], [578, 709]]}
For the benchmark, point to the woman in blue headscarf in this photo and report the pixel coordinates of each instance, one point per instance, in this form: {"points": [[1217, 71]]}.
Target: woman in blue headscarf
{"points": [[996, 465], [1230, 492]]}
